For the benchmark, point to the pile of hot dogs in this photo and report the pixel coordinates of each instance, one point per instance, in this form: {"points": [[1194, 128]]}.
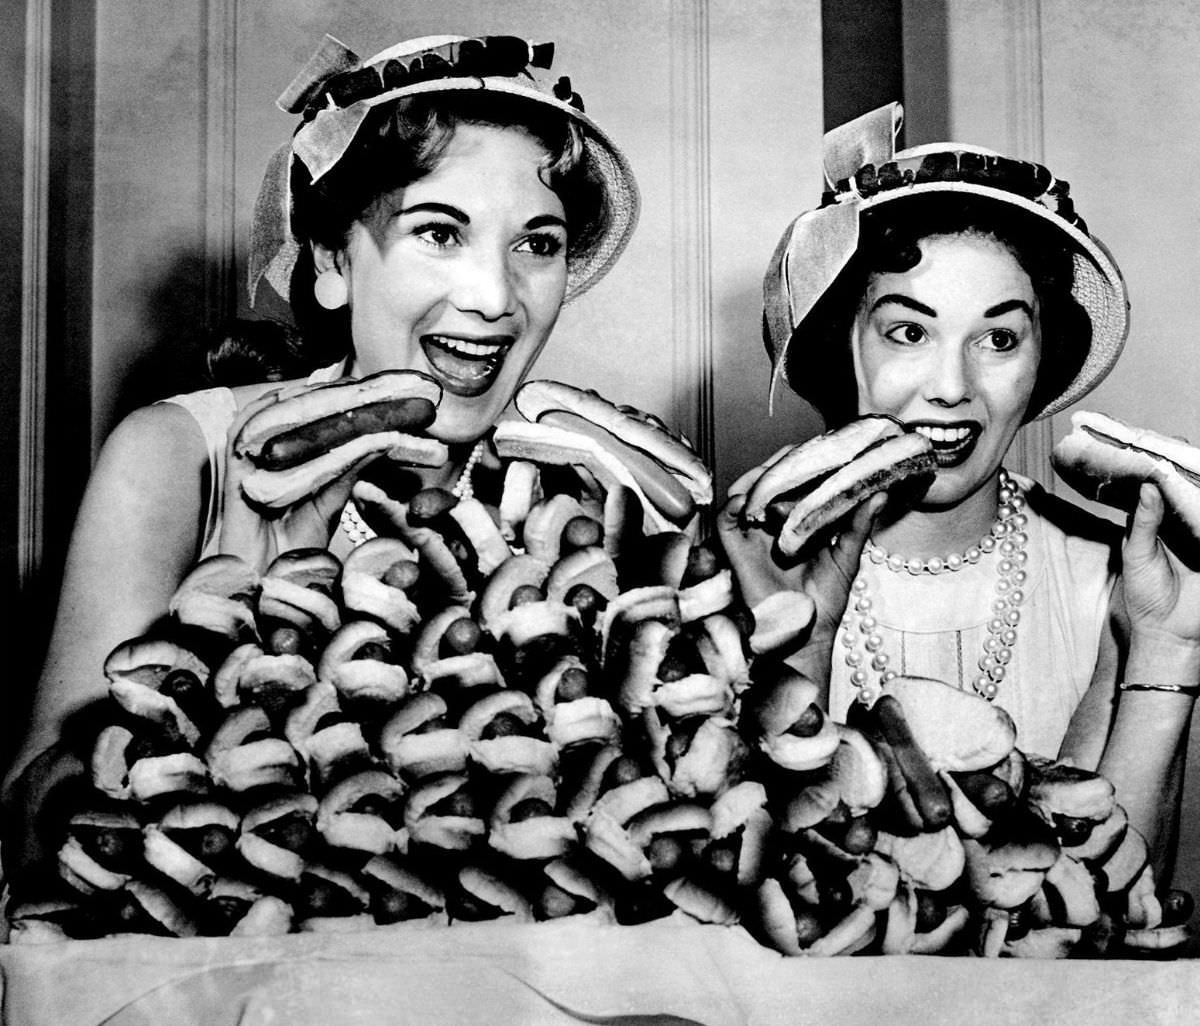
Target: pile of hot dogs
{"points": [[557, 706]]}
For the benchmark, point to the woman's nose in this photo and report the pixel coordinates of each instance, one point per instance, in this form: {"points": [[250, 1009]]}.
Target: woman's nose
{"points": [[485, 285], [949, 377]]}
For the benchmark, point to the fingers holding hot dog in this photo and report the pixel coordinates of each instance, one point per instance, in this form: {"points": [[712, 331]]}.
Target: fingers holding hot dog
{"points": [[305, 440]]}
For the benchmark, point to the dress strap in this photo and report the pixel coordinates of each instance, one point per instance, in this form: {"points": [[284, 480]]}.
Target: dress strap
{"points": [[213, 410]]}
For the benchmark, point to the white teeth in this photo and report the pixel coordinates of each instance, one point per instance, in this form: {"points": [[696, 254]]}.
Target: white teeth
{"points": [[943, 435], [461, 345]]}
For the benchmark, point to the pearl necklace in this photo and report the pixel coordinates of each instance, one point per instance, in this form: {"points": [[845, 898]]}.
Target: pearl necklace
{"points": [[1007, 539], [359, 531]]}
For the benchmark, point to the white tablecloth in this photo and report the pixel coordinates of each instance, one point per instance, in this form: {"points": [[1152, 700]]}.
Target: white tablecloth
{"points": [[559, 973]]}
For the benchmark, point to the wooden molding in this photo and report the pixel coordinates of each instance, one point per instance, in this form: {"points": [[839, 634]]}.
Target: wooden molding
{"points": [[219, 95], [1026, 138], [34, 278], [691, 220]]}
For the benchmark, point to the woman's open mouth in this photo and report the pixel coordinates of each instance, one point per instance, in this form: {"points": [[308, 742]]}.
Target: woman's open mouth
{"points": [[466, 366], [952, 443]]}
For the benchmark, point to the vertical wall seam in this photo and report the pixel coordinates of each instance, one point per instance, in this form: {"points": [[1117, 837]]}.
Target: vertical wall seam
{"points": [[1026, 138], [691, 216], [218, 93], [34, 273]]}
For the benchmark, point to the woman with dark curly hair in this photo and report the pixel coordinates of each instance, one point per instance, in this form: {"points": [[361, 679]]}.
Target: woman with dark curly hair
{"points": [[436, 206], [958, 292]]}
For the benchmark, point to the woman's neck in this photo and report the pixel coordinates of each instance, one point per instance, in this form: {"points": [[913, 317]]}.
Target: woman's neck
{"points": [[924, 533], [449, 473]]}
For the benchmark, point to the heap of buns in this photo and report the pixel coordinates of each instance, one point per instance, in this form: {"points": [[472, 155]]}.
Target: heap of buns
{"points": [[556, 707]]}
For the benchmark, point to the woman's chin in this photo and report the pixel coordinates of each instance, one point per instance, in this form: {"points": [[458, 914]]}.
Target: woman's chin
{"points": [[462, 421]]}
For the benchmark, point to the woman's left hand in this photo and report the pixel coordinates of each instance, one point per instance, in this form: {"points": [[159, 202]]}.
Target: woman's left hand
{"points": [[1161, 594]]}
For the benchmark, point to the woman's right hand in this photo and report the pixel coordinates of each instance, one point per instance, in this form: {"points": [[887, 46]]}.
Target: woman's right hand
{"points": [[257, 536], [825, 575]]}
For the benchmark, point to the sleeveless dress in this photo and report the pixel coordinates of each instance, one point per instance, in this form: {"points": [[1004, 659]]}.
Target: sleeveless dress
{"points": [[213, 410], [936, 625]]}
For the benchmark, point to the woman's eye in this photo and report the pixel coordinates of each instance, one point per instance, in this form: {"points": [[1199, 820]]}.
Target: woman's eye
{"points": [[1002, 340], [439, 235], [906, 334], [543, 244]]}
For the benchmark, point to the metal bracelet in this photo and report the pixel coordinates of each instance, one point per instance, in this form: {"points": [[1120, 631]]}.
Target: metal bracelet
{"points": [[1189, 690]]}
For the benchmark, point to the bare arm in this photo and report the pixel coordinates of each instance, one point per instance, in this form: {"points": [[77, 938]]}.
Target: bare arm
{"points": [[1138, 739], [135, 535]]}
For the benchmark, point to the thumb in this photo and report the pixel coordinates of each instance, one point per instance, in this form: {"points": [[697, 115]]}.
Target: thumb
{"points": [[1142, 536], [727, 519]]}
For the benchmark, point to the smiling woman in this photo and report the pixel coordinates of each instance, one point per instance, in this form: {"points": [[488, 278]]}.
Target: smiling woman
{"points": [[957, 292], [433, 210]]}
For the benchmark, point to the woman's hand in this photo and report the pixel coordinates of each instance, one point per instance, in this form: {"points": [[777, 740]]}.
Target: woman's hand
{"points": [[257, 536], [825, 576], [1161, 595]]}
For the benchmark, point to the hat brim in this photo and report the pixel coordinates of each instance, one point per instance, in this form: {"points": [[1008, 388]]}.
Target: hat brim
{"points": [[1098, 287], [623, 200], [275, 250]]}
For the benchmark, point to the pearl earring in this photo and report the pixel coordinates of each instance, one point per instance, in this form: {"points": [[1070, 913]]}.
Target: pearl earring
{"points": [[331, 289]]}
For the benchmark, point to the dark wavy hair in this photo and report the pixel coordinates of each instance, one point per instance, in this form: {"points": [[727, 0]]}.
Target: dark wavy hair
{"points": [[820, 366], [398, 144]]}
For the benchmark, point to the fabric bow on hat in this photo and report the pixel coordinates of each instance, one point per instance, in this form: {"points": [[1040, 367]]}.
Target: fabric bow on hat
{"points": [[335, 91], [820, 242], [864, 170]]}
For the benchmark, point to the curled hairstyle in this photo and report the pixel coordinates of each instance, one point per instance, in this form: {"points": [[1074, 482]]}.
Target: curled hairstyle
{"points": [[890, 240], [398, 144]]}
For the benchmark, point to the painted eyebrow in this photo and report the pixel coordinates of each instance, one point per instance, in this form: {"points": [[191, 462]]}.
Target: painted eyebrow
{"points": [[436, 208], [906, 301], [540, 221], [1007, 307], [544, 220]]}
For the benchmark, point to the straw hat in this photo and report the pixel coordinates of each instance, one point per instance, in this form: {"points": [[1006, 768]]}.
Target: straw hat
{"points": [[863, 171], [336, 89]]}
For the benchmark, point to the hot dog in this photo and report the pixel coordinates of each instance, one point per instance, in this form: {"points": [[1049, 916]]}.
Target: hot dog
{"points": [[547, 400], [814, 460], [276, 834], [378, 580], [790, 726], [362, 812], [1106, 459], [399, 895], [418, 740], [957, 730], [741, 826], [236, 908], [297, 594], [524, 822], [305, 440], [218, 595], [820, 481], [359, 663], [875, 470], [441, 813]]}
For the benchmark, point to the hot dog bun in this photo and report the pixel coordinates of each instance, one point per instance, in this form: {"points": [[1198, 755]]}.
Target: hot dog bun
{"points": [[306, 440], [538, 399], [1106, 460], [299, 427], [876, 469], [814, 460]]}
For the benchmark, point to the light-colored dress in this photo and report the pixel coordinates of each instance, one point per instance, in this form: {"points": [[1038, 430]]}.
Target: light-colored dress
{"points": [[213, 410], [936, 625]]}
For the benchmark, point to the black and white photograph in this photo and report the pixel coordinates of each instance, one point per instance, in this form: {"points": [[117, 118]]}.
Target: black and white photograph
{"points": [[676, 512]]}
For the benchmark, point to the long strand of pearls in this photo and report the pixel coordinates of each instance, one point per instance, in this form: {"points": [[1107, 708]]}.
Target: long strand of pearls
{"points": [[359, 531], [1007, 539]]}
